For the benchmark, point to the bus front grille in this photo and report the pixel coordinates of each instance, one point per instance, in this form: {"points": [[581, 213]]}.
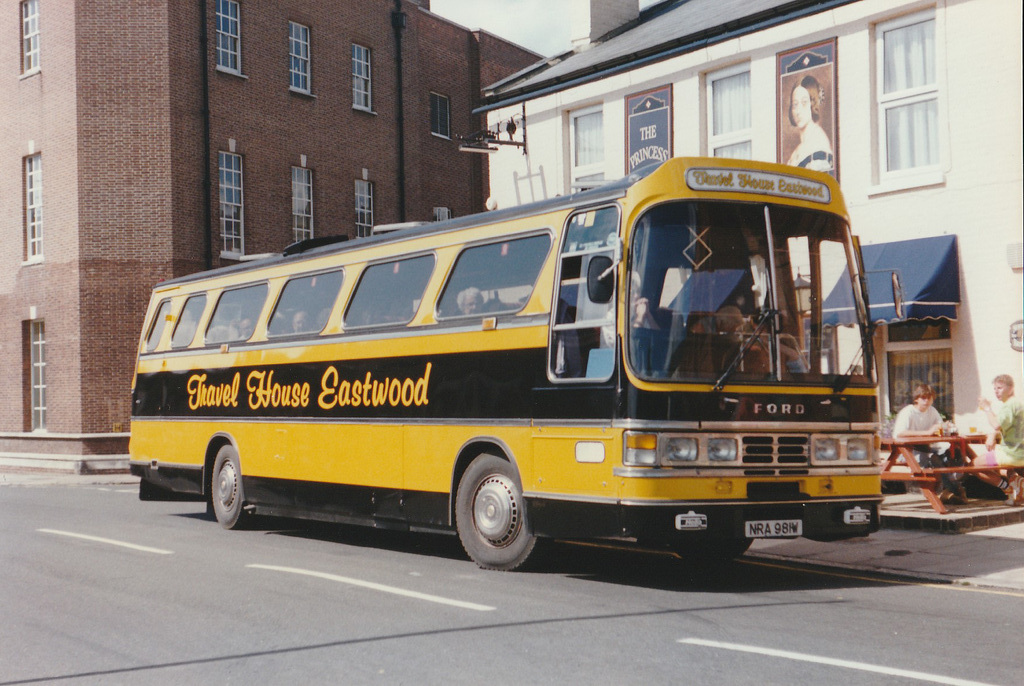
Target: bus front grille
{"points": [[764, 449]]}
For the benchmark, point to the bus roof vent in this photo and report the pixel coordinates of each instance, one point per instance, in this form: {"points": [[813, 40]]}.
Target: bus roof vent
{"points": [[310, 243], [388, 228]]}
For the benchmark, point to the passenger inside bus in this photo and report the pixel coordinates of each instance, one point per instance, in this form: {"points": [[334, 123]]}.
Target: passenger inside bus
{"points": [[470, 301]]}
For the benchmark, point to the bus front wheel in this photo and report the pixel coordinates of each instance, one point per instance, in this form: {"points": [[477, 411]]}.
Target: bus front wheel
{"points": [[227, 489], [490, 515]]}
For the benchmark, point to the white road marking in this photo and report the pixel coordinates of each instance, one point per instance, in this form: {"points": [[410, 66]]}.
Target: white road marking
{"points": [[377, 587], [863, 666], [108, 541]]}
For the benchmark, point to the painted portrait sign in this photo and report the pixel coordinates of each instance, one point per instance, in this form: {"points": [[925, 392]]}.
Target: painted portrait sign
{"points": [[648, 129], [807, 108]]}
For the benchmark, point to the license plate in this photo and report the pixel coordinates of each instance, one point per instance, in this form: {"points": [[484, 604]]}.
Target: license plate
{"points": [[774, 528]]}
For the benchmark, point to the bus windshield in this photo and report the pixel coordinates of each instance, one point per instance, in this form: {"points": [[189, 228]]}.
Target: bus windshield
{"points": [[709, 302]]}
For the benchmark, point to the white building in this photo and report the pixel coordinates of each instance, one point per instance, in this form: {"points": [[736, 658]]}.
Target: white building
{"points": [[919, 108]]}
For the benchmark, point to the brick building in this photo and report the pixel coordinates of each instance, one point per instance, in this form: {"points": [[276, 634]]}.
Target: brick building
{"points": [[166, 142]]}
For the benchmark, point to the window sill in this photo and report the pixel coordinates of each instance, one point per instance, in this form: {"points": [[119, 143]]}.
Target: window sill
{"points": [[236, 256], [297, 91], [440, 135], [38, 259], [911, 181], [357, 108], [30, 73], [231, 72]]}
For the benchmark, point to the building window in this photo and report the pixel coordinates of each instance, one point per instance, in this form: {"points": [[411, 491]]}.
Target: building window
{"points": [[364, 207], [298, 49], [586, 138], [361, 93], [37, 355], [29, 36], [232, 218], [908, 101], [34, 205], [729, 130], [302, 203], [229, 36], [920, 352], [442, 214], [440, 116]]}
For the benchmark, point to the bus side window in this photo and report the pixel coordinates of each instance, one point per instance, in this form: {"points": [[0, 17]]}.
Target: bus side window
{"points": [[188, 320], [389, 293], [305, 304], [157, 326], [234, 318], [583, 331], [497, 278]]}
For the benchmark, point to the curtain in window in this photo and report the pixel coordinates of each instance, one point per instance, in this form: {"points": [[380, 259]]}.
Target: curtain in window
{"points": [[730, 103], [912, 135], [911, 123], [589, 139], [932, 367], [909, 57]]}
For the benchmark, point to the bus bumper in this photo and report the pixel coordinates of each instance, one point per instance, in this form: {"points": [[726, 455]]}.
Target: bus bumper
{"points": [[682, 522]]}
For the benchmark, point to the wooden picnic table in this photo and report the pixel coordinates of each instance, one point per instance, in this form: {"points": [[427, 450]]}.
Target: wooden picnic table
{"points": [[930, 478]]}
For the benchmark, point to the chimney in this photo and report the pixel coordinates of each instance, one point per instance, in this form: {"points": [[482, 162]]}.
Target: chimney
{"points": [[591, 19]]}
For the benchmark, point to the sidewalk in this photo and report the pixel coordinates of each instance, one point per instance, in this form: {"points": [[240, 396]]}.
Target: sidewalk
{"points": [[979, 544], [988, 558]]}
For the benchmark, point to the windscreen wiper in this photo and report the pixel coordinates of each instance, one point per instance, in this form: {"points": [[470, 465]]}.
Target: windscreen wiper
{"points": [[843, 380], [767, 315]]}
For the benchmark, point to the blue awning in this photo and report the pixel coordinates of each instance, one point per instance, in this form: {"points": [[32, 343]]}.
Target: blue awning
{"points": [[929, 270]]}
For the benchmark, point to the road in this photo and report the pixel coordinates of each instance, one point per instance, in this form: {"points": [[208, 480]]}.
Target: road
{"points": [[97, 587]]}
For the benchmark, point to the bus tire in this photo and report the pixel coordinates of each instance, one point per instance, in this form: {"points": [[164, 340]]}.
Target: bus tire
{"points": [[226, 489], [490, 515]]}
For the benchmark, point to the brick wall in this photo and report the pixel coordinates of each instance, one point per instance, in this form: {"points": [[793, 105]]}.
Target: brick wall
{"points": [[118, 118]]}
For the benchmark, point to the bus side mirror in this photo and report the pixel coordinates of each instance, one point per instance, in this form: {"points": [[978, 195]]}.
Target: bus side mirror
{"points": [[897, 295], [600, 279]]}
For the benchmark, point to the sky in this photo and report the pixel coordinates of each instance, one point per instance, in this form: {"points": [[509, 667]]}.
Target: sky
{"points": [[540, 25]]}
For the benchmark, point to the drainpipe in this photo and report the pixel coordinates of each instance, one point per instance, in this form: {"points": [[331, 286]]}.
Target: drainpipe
{"points": [[398, 24], [205, 114]]}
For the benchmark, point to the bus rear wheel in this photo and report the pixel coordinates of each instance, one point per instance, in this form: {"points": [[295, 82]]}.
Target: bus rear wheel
{"points": [[490, 515], [226, 489]]}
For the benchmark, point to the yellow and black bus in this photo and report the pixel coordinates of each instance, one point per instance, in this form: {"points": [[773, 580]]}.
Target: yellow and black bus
{"points": [[681, 359]]}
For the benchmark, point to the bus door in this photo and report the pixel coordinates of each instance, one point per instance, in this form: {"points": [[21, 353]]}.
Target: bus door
{"points": [[573, 410]]}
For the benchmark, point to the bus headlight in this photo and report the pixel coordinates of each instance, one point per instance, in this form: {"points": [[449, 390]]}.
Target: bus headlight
{"points": [[858, 449], [640, 450], [722, 449], [826, 449], [681, 449]]}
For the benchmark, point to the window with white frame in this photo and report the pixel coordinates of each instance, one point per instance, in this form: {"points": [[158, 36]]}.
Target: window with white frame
{"points": [[302, 203], [29, 36], [232, 218], [586, 148], [361, 91], [229, 37], [908, 95], [37, 362], [364, 207], [34, 206], [298, 49], [729, 128], [440, 116], [442, 214]]}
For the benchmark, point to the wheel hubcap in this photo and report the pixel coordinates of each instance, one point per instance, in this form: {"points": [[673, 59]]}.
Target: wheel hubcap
{"points": [[227, 485], [496, 511]]}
